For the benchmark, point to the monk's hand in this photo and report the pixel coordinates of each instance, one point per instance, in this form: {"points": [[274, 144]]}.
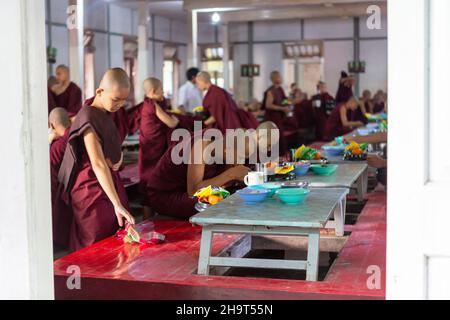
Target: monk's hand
{"points": [[122, 213], [118, 165], [286, 109], [238, 172]]}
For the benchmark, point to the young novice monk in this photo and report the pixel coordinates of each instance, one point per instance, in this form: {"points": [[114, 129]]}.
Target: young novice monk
{"points": [[155, 128], [171, 186], [89, 171], [59, 122]]}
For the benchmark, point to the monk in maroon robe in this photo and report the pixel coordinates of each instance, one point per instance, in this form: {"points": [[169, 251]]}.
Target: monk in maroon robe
{"points": [[67, 94], [223, 110], [345, 89], [303, 111], [339, 123], [89, 171], [323, 104], [155, 128], [275, 110], [62, 216], [171, 185], [379, 102]]}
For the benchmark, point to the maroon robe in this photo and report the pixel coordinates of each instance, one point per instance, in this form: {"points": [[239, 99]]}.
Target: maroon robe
{"points": [[378, 107], [70, 99], [304, 113], [277, 117], [344, 93], [94, 215], [167, 185], [153, 140], [321, 114], [120, 118], [357, 115], [134, 118], [219, 104], [334, 127], [61, 212], [51, 100]]}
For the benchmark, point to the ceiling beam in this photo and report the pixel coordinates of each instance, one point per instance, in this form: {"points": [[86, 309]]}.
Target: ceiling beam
{"points": [[213, 4], [305, 12]]}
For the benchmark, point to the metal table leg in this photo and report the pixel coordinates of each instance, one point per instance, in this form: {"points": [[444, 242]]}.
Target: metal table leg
{"points": [[312, 265], [205, 252]]}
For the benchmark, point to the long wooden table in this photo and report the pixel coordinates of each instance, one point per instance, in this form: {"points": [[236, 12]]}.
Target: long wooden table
{"points": [[271, 217]]}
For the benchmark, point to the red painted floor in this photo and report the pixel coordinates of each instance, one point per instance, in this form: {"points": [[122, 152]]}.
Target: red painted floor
{"points": [[112, 270]]}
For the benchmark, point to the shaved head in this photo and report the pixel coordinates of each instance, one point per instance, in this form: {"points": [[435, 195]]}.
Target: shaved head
{"points": [[203, 80], [115, 78], [63, 67], [275, 77], [59, 118], [204, 76], [266, 135], [113, 91], [151, 84]]}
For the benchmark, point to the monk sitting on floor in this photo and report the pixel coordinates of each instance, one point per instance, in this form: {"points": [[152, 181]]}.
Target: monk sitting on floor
{"points": [[223, 110], [89, 171], [184, 169], [339, 123], [59, 123], [66, 94]]}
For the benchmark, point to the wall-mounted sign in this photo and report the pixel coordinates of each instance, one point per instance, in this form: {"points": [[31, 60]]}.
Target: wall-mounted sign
{"points": [[303, 49], [51, 54], [357, 66], [250, 70]]}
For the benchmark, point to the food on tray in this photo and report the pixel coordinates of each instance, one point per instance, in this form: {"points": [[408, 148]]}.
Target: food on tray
{"points": [[356, 151], [211, 195], [284, 170], [307, 153]]}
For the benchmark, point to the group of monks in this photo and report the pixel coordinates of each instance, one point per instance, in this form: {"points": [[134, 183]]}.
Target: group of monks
{"points": [[89, 201], [329, 117]]}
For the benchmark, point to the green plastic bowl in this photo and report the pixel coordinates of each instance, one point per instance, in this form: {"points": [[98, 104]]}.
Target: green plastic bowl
{"points": [[326, 170], [293, 196], [272, 187]]}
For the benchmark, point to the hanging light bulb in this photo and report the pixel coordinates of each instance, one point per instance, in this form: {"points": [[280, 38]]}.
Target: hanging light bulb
{"points": [[215, 18]]}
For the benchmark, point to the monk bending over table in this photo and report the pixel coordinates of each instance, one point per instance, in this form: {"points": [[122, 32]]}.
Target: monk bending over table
{"points": [[339, 123], [89, 171], [171, 185], [223, 110], [59, 123]]}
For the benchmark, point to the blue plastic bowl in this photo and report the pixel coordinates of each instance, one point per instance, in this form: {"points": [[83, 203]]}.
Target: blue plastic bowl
{"points": [[301, 169], [334, 150], [272, 187], [253, 195], [293, 196], [326, 170]]}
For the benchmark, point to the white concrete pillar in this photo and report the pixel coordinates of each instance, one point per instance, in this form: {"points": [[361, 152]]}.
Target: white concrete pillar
{"points": [[75, 24], [193, 39], [226, 56], [26, 256], [143, 69]]}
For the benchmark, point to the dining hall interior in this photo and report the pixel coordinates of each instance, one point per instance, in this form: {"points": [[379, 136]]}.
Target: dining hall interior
{"points": [[103, 95]]}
